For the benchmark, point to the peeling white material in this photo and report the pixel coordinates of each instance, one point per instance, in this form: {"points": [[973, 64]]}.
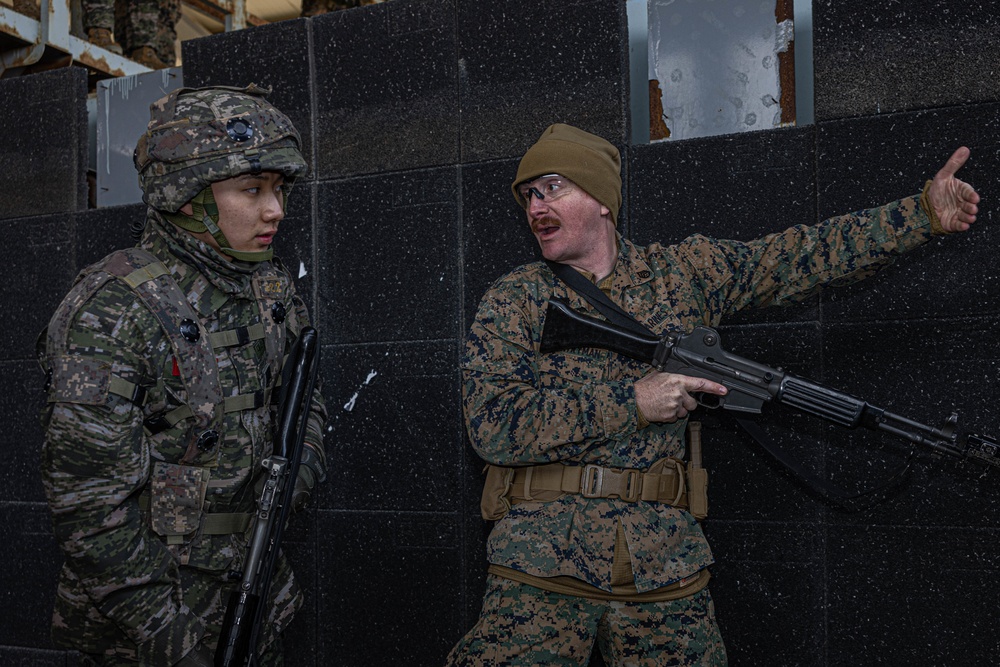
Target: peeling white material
{"points": [[350, 404], [784, 36], [302, 269]]}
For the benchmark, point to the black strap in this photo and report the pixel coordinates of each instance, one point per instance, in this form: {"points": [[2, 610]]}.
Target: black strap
{"points": [[831, 492], [598, 299], [835, 494]]}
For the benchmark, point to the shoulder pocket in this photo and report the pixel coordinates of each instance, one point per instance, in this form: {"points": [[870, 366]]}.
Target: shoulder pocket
{"points": [[79, 380]]}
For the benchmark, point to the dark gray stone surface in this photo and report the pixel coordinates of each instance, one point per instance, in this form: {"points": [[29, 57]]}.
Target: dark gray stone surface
{"points": [[386, 88], [387, 587], [866, 162], [22, 398], [393, 420], [43, 148], [28, 569], [387, 257], [99, 232], [738, 186], [525, 64], [873, 58], [41, 268]]}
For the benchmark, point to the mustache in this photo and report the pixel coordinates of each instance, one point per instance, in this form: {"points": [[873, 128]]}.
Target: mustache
{"points": [[545, 222]]}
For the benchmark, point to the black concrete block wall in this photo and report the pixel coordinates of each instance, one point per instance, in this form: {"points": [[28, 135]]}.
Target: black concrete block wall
{"points": [[414, 113]]}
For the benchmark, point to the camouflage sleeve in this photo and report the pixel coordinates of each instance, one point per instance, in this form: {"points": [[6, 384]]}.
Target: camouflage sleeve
{"points": [[519, 413], [94, 465], [793, 264]]}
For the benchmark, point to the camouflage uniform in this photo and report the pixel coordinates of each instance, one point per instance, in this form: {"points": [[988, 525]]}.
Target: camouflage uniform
{"points": [[137, 23], [578, 407], [152, 516], [317, 7]]}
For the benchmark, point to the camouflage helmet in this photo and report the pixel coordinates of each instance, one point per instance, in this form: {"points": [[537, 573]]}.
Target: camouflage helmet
{"points": [[197, 136]]}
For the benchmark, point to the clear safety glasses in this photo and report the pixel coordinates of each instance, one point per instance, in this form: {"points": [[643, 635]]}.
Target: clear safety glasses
{"points": [[548, 188]]}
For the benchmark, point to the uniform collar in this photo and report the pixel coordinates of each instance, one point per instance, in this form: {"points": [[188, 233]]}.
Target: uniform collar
{"points": [[164, 239]]}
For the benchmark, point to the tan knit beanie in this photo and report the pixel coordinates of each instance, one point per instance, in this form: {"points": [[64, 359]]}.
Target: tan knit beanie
{"points": [[586, 159]]}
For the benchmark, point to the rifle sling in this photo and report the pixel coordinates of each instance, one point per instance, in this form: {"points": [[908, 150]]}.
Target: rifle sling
{"points": [[831, 492], [834, 493], [598, 299]]}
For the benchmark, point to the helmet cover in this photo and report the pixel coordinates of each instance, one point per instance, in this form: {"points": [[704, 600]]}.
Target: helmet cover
{"points": [[197, 136]]}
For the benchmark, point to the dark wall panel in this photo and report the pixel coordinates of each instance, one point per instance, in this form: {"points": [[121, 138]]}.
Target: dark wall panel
{"points": [[387, 249], [739, 186], [41, 269], [29, 567], [524, 64], [388, 588], [393, 421], [386, 88], [866, 162], [43, 148], [872, 58], [905, 595], [495, 233], [736, 186]]}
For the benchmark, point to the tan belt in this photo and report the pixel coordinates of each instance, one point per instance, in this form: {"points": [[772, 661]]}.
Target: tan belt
{"points": [[594, 481]]}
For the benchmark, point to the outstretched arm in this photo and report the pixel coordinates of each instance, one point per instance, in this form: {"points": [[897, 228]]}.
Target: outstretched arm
{"points": [[955, 202]]}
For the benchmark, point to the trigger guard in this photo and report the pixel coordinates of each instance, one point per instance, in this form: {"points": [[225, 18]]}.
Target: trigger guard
{"points": [[710, 401]]}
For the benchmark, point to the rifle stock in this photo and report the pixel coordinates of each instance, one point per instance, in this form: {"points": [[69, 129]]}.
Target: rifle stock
{"points": [[750, 384], [247, 604]]}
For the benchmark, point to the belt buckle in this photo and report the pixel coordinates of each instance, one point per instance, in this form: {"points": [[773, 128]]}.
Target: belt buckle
{"points": [[632, 485], [592, 484], [624, 484]]}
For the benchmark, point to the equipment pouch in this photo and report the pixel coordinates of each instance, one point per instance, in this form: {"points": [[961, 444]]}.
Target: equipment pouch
{"points": [[178, 496], [697, 483], [494, 504], [697, 476]]}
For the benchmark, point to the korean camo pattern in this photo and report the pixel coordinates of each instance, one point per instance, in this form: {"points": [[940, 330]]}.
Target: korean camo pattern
{"points": [[579, 406], [190, 143], [523, 626], [126, 590]]}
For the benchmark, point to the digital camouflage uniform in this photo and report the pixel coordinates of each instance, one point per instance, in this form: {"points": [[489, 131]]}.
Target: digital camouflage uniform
{"points": [[579, 407], [152, 515], [137, 23]]}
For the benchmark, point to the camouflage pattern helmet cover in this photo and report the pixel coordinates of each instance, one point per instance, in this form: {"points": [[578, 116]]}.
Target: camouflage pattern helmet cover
{"points": [[197, 136]]}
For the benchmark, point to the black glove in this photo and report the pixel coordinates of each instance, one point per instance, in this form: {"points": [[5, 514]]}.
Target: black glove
{"points": [[311, 471]]}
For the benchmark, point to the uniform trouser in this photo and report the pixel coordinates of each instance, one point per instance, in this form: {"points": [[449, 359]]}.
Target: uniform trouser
{"points": [[524, 625]]}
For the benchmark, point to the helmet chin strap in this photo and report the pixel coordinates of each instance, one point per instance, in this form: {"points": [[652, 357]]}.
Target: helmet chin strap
{"points": [[205, 218]]}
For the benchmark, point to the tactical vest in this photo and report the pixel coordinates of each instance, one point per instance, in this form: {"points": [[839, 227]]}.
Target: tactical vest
{"points": [[192, 347]]}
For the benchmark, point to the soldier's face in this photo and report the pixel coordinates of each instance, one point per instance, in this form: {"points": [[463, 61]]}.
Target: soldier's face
{"points": [[572, 229], [250, 208]]}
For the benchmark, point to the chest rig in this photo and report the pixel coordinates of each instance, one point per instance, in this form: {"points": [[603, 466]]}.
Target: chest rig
{"points": [[192, 348]]}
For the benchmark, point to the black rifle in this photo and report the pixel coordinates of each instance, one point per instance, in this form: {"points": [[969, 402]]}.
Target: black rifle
{"points": [[241, 627], [750, 384]]}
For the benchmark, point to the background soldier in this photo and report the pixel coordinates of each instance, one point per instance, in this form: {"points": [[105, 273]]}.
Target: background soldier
{"points": [[164, 362], [626, 570], [146, 30]]}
